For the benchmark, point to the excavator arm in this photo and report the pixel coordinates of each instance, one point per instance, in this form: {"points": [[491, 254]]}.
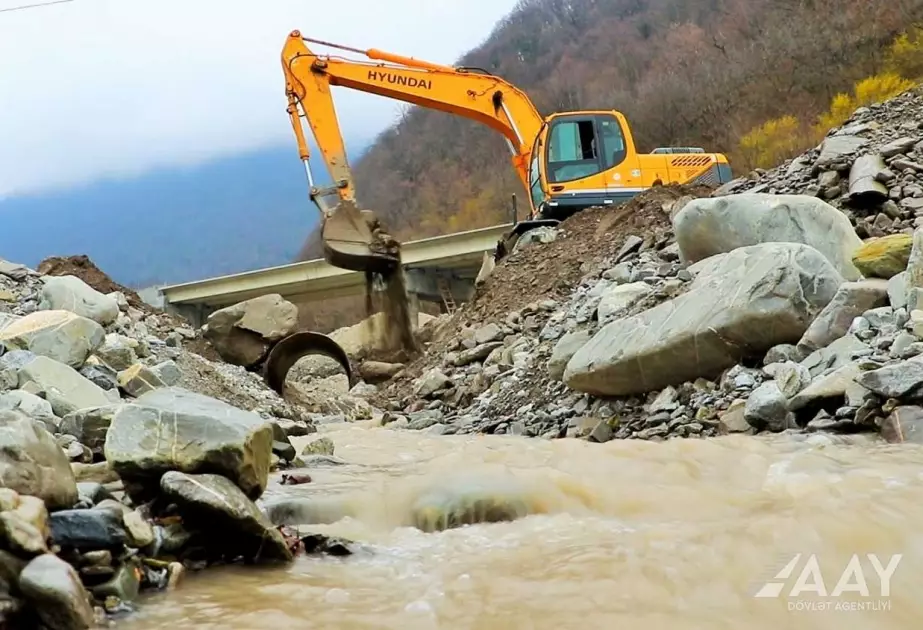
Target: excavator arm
{"points": [[351, 240]]}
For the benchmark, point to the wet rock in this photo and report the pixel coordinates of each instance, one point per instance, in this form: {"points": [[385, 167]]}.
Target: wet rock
{"points": [[54, 590], [750, 300], [175, 429], [87, 529], [124, 585], [236, 525], [242, 333], [21, 536], [320, 446], [883, 257], [904, 424], [140, 533], [59, 335], [32, 463], [715, 225]]}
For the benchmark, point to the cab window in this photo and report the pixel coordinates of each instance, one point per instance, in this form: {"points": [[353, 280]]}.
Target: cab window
{"points": [[535, 182], [572, 150]]}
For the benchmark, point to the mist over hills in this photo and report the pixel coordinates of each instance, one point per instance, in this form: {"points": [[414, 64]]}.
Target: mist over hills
{"points": [[173, 225]]}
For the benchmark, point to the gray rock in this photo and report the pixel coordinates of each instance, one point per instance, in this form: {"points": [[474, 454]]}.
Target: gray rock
{"points": [[754, 298], [714, 225], [894, 381], [791, 378], [70, 293], [117, 352], [168, 372], [55, 592], [431, 382], [766, 409], [478, 353], [100, 375], [904, 424], [837, 148], [32, 463], [832, 385], [87, 529], [851, 300], [59, 335], [64, 387], [31, 405], [898, 146], [138, 380], [488, 333], [236, 525], [897, 289], [90, 425], [617, 300], [865, 177], [175, 429], [241, 333]]}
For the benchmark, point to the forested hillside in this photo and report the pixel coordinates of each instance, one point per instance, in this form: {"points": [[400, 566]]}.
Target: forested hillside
{"points": [[756, 79]]}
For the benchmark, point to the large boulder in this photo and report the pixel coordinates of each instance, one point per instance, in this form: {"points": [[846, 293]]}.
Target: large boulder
{"points": [[70, 293], [235, 523], [715, 225], [242, 333], [54, 590], [31, 462], [883, 257], [63, 386], [59, 335], [171, 428], [750, 300]]}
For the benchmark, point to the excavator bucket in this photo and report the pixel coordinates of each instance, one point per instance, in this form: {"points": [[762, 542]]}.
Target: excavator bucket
{"points": [[353, 239]]}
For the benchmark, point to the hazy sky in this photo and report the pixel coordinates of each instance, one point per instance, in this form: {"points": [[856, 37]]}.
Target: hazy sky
{"points": [[97, 88]]}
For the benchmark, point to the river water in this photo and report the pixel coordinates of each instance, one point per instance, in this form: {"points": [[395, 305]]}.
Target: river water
{"points": [[651, 536]]}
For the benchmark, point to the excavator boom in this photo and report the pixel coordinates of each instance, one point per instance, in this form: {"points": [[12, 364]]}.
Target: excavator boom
{"points": [[352, 239]]}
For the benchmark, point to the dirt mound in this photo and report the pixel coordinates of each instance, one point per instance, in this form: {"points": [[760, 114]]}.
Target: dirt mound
{"points": [[586, 243], [84, 268]]}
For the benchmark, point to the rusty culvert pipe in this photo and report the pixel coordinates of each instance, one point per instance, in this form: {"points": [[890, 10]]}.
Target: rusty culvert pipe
{"points": [[289, 350]]}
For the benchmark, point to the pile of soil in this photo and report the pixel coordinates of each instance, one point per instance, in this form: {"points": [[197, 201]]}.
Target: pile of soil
{"points": [[82, 267], [586, 243]]}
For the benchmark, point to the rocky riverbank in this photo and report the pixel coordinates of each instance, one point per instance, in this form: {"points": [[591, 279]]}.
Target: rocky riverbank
{"points": [[756, 307], [125, 459]]}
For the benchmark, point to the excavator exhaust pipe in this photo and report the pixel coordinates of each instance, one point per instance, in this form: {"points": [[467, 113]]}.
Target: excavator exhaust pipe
{"points": [[353, 240]]}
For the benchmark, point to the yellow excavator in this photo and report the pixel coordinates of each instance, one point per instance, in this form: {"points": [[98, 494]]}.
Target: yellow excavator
{"points": [[567, 161]]}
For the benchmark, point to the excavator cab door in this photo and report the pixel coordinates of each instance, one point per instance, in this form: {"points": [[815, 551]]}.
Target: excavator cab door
{"points": [[585, 159]]}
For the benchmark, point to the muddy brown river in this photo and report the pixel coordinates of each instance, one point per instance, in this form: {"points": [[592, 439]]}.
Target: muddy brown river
{"points": [[654, 536]]}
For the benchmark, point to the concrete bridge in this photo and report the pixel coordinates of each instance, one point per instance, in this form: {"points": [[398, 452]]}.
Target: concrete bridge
{"points": [[432, 265]]}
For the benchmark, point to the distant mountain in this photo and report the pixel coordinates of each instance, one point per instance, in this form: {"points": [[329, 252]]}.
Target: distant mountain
{"points": [[175, 224]]}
